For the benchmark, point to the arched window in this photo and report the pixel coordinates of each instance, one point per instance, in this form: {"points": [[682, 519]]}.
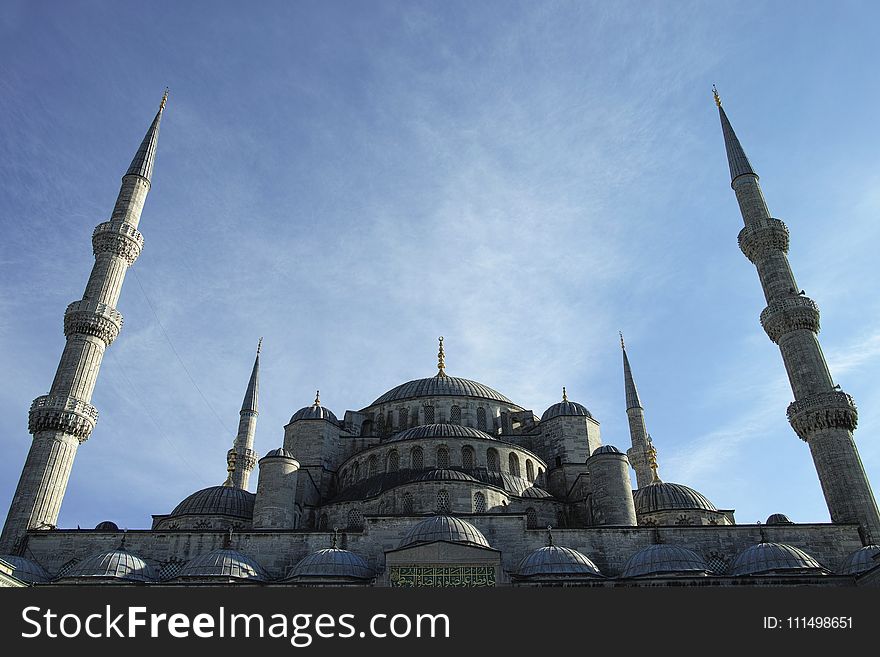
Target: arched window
{"points": [[380, 425], [429, 414], [355, 519], [407, 504], [414, 417], [481, 418], [560, 518], [479, 502], [455, 415], [492, 460], [530, 470], [467, 457], [322, 522], [443, 501], [393, 462], [531, 518], [443, 457], [513, 462], [356, 472], [373, 466], [402, 416], [417, 458], [389, 423], [367, 428], [343, 478], [541, 476]]}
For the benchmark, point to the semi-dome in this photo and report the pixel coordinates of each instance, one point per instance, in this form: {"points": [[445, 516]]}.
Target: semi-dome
{"points": [[314, 412], [279, 453], [107, 526], [224, 563], [860, 561], [26, 570], [218, 500], [442, 431], [664, 496], [606, 449], [116, 564], [565, 408], [445, 475], [535, 493], [555, 560], [664, 560], [444, 528], [333, 562], [772, 558], [442, 386], [779, 519]]}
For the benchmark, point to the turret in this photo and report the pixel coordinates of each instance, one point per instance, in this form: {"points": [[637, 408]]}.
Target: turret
{"points": [[611, 491], [822, 414], [276, 504], [64, 418]]}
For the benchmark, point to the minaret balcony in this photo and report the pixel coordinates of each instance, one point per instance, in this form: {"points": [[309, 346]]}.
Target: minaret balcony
{"points": [[119, 238], [66, 414], [88, 317], [794, 313], [756, 241], [826, 410]]}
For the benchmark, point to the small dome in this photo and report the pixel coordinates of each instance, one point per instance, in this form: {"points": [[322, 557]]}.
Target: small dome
{"points": [[442, 431], [565, 408], [772, 558], [442, 386], [535, 493], [779, 519], [106, 526], [662, 496], [224, 563], [860, 561], [555, 560], [218, 500], [117, 564], [279, 453], [26, 570], [333, 562], [314, 412], [444, 528], [606, 449], [445, 475], [664, 560]]}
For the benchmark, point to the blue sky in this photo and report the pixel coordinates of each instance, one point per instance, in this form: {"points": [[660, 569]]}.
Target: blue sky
{"points": [[351, 180]]}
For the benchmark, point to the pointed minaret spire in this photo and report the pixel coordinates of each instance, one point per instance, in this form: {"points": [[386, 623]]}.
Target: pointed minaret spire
{"points": [[638, 432], [244, 457], [441, 360], [64, 418], [822, 415]]}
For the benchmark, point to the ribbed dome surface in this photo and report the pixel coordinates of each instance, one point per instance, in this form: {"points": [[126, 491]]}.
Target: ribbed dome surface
{"points": [[779, 519], [535, 493], [442, 431], [445, 475], [663, 496], [279, 453], [769, 558], [224, 563], [606, 449], [119, 564], [444, 528], [107, 526], [860, 561], [333, 562], [218, 500], [664, 560], [314, 412], [26, 570], [555, 560], [442, 386], [565, 408]]}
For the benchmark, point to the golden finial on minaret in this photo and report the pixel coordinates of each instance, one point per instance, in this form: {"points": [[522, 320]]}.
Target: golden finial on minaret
{"points": [[164, 100], [564, 394], [622, 345], [441, 362], [652, 460], [259, 346], [717, 97], [230, 466], [317, 397]]}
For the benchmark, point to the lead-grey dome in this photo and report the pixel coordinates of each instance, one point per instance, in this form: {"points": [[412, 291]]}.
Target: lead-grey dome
{"points": [[314, 412], [115, 564], [555, 560], [224, 563], [663, 496], [107, 526], [566, 408], [664, 560], [605, 449], [218, 500], [333, 562], [445, 475], [279, 453], [442, 386], [535, 493], [444, 528], [772, 558], [442, 431], [25, 569], [779, 519], [860, 561]]}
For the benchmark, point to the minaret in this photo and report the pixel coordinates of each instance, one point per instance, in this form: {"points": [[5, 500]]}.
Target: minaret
{"points": [[638, 432], [822, 415], [242, 457], [63, 419]]}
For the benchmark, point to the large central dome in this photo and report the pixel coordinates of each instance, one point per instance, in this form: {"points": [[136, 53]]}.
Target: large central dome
{"points": [[441, 386]]}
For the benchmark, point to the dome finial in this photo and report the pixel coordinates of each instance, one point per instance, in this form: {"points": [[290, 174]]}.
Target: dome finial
{"points": [[652, 460], [549, 535], [717, 97], [164, 100], [564, 394], [441, 360], [335, 539], [317, 397]]}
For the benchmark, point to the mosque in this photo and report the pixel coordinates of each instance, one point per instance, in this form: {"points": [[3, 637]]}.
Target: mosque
{"points": [[444, 481]]}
